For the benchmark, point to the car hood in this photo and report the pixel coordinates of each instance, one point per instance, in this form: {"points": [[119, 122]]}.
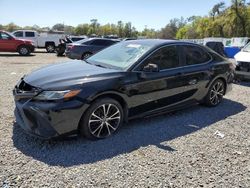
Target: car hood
{"points": [[69, 74], [242, 56]]}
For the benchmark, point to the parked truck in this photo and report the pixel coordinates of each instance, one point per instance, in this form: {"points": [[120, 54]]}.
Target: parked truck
{"points": [[41, 40]]}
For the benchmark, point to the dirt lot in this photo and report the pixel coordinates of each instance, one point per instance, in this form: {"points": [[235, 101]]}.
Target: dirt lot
{"points": [[197, 147]]}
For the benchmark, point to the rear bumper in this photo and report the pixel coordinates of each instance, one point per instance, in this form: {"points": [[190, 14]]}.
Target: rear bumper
{"points": [[32, 48]]}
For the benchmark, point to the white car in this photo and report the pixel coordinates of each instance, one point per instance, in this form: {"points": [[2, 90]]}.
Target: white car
{"points": [[41, 40], [243, 63]]}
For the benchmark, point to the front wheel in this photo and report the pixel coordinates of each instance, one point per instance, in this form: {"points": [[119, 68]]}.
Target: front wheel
{"points": [[215, 93], [102, 119]]}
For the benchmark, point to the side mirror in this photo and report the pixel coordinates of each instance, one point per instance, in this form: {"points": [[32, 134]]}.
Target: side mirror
{"points": [[151, 68]]}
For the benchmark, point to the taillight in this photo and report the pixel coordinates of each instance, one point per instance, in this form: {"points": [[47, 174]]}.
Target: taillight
{"points": [[70, 47]]}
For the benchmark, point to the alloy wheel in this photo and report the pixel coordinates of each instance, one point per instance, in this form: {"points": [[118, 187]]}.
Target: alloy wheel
{"points": [[104, 120], [24, 50], [217, 93]]}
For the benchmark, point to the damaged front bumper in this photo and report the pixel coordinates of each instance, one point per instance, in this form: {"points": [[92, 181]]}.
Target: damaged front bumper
{"points": [[47, 119]]}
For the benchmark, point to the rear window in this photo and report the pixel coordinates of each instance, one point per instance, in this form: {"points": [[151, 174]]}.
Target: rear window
{"points": [[195, 55], [29, 34]]}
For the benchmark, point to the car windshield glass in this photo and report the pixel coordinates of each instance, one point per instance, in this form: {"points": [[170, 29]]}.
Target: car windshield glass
{"points": [[121, 55], [247, 48]]}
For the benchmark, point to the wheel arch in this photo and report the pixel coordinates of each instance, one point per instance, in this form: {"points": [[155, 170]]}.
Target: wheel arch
{"points": [[49, 42], [112, 95], [218, 78]]}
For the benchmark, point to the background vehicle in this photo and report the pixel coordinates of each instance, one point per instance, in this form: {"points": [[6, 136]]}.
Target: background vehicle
{"points": [[243, 63], [217, 47], [128, 80], [86, 47], [42, 40], [60, 49], [8, 43], [77, 38]]}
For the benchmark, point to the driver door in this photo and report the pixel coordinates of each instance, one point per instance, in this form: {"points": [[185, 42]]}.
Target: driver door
{"points": [[6, 43]]}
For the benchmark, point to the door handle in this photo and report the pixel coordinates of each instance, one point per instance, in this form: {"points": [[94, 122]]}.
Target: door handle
{"points": [[215, 68], [179, 74], [193, 82]]}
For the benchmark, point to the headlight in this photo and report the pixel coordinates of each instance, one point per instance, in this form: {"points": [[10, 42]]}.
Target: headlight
{"points": [[56, 95]]}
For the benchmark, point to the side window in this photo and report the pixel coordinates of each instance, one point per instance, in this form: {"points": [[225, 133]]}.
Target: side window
{"points": [[195, 55], [98, 42], [29, 34], [165, 58], [4, 36], [18, 34]]}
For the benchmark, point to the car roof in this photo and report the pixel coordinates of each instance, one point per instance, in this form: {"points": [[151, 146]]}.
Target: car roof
{"points": [[157, 42], [93, 38]]}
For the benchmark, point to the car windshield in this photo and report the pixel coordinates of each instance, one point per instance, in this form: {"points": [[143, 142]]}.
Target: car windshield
{"points": [[121, 55], [247, 48]]}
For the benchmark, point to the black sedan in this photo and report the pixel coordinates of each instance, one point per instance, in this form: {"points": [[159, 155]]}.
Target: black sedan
{"points": [[128, 80], [82, 49]]}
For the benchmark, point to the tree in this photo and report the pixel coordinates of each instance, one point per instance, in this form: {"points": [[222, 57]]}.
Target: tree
{"points": [[82, 29], [239, 6], [58, 27], [217, 8]]}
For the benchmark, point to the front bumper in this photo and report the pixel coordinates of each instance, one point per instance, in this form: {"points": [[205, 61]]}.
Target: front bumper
{"points": [[242, 75], [48, 120], [32, 48]]}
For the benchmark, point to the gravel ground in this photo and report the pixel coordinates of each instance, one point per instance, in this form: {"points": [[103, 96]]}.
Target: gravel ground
{"points": [[197, 147]]}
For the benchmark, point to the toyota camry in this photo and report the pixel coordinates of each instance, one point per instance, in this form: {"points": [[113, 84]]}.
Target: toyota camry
{"points": [[130, 79]]}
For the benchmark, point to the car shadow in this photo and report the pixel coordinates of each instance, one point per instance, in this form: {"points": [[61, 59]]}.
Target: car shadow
{"points": [[15, 55], [245, 83], [137, 133]]}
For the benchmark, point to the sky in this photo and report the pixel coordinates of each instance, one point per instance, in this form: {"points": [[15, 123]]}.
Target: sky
{"points": [[151, 13]]}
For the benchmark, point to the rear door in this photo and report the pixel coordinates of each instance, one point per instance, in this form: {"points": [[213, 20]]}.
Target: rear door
{"points": [[196, 72], [7, 43], [30, 35]]}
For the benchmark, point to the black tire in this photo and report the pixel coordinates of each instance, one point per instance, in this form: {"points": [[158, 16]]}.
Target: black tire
{"points": [[50, 48], [86, 55], [215, 93], [96, 125], [23, 50]]}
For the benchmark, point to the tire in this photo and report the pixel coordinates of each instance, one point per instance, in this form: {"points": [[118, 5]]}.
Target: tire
{"points": [[86, 55], [50, 48], [96, 125], [215, 93], [23, 50]]}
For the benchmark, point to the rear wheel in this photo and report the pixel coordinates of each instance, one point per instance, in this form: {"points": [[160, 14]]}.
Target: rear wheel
{"points": [[102, 119], [215, 93], [23, 50], [50, 48], [86, 55]]}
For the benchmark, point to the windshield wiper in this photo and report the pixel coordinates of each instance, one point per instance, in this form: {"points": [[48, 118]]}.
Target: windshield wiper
{"points": [[98, 65]]}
